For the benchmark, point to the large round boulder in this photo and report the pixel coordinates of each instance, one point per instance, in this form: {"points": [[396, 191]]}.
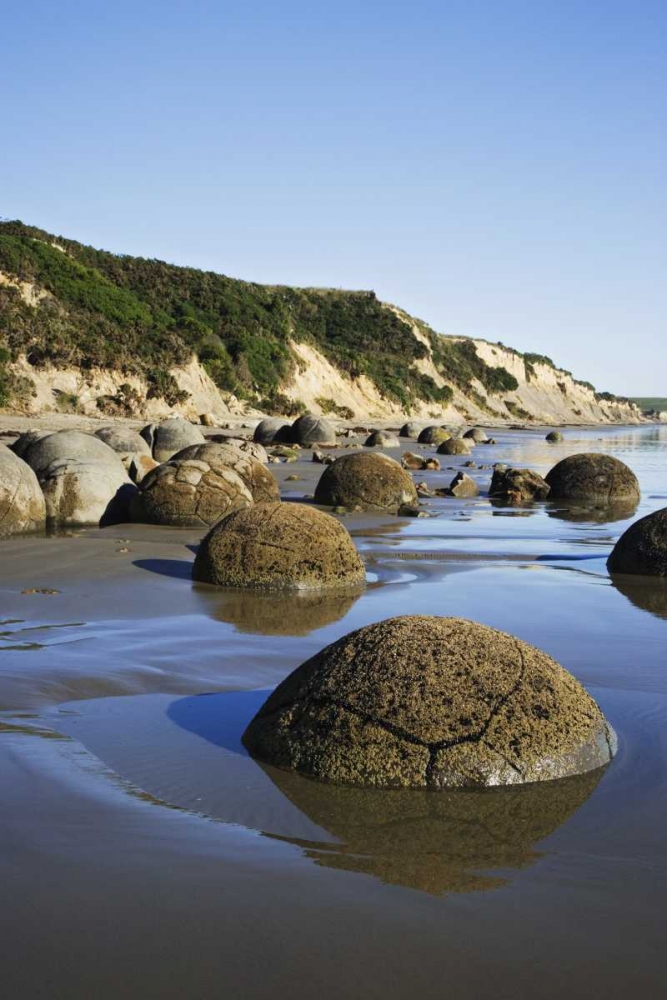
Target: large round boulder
{"points": [[170, 436], [70, 446], [190, 492], [381, 439], [368, 480], [263, 487], [593, 476], [433, 435], [21, 500], [430, 702], [310, 430], [81, 492], [279, 546], [125, 441], [410, 430], [454, 446], [642, 549], [477, 435], [272, 429], [554, 437]]}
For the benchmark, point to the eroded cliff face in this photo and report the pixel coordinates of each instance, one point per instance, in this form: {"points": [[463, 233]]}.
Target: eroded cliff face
{"points": [[544, 394]]}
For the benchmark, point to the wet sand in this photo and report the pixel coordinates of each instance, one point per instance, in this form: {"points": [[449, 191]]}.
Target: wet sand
{"points": [[144, 854]]}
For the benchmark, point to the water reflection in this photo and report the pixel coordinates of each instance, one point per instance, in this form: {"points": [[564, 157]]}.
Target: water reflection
{"points": [[436, 842], [646, 592], [593, 513], [282, 614]]}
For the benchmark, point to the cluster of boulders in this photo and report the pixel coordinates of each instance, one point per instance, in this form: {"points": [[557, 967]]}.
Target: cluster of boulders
{"points": [[307, 431]]}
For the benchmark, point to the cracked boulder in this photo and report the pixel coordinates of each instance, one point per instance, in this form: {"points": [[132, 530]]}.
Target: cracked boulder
{"points": [[642, 549], [368, 480], [517, 486], [262, 485], [427, 702], [21, 500], [279, 546], [188, 492], [463, 486], [592, 476]]}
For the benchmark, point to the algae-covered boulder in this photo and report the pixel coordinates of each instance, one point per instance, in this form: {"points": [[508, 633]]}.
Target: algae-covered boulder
{"points": [[368, 480], [82, 492], [421, 702], [477, 435], [592, 477], [172, 436], [279, 546], [309, 430], [381, 439], [642, 549], [272, 429], [433, 435], [123, 440], [21, 499], [189, 492], [517, 486], [262, 485], [70, 446], [454, 446], [554, 437]]}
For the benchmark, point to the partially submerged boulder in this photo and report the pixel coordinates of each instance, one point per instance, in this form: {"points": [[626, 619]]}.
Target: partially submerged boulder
{"points": [[454, 446], [279, 546], [477, 435], [463, 486], [309, 430], [642, 549], [262, 485], [411, 461], [421, 702], [592, 477], [368, 480], [433, 435], [22, 505], [517, 486], [190, 492], [381, 439], [554, 437]]}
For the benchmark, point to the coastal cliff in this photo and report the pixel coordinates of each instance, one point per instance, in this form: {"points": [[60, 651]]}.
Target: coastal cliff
{"points": [[86, 331]]}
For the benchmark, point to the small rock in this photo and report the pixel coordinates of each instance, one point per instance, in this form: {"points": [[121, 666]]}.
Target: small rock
{"points": [[292, 479], [40, 590], [408, 510], [411, 461]]}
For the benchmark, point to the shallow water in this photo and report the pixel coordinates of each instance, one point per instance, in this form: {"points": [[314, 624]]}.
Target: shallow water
{"points": [[143, 853]]}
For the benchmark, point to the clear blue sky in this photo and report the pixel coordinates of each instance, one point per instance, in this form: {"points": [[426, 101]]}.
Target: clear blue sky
{"points": [[496, 167]]}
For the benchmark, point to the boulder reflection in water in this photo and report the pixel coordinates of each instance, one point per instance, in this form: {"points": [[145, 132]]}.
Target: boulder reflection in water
{"points": [[436, 842], [276, 613]]}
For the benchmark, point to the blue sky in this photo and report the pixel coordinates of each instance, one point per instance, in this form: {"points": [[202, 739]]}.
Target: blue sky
{"points": [[496, 168]]}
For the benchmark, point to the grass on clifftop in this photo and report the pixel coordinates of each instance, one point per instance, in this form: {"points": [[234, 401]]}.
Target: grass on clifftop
{"points": [[144, 317]]}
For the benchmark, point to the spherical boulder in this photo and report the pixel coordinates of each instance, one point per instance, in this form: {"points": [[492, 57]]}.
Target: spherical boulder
{"points": [[477, 435], [82, 492], [21, 499], [252, 448], [427, 702], [172, 435], [410, 430], [368, 480], [642, 549], [433, 435], [554, 437], [189, 492], [70, 446], [454, 446], [263, 487], [123, 440], [279, 546], [310, 430], [592, 477], [272, 429], [380, 439]]}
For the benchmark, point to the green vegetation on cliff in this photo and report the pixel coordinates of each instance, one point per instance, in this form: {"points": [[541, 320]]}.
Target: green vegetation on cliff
{"points": [[144, 317]]}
